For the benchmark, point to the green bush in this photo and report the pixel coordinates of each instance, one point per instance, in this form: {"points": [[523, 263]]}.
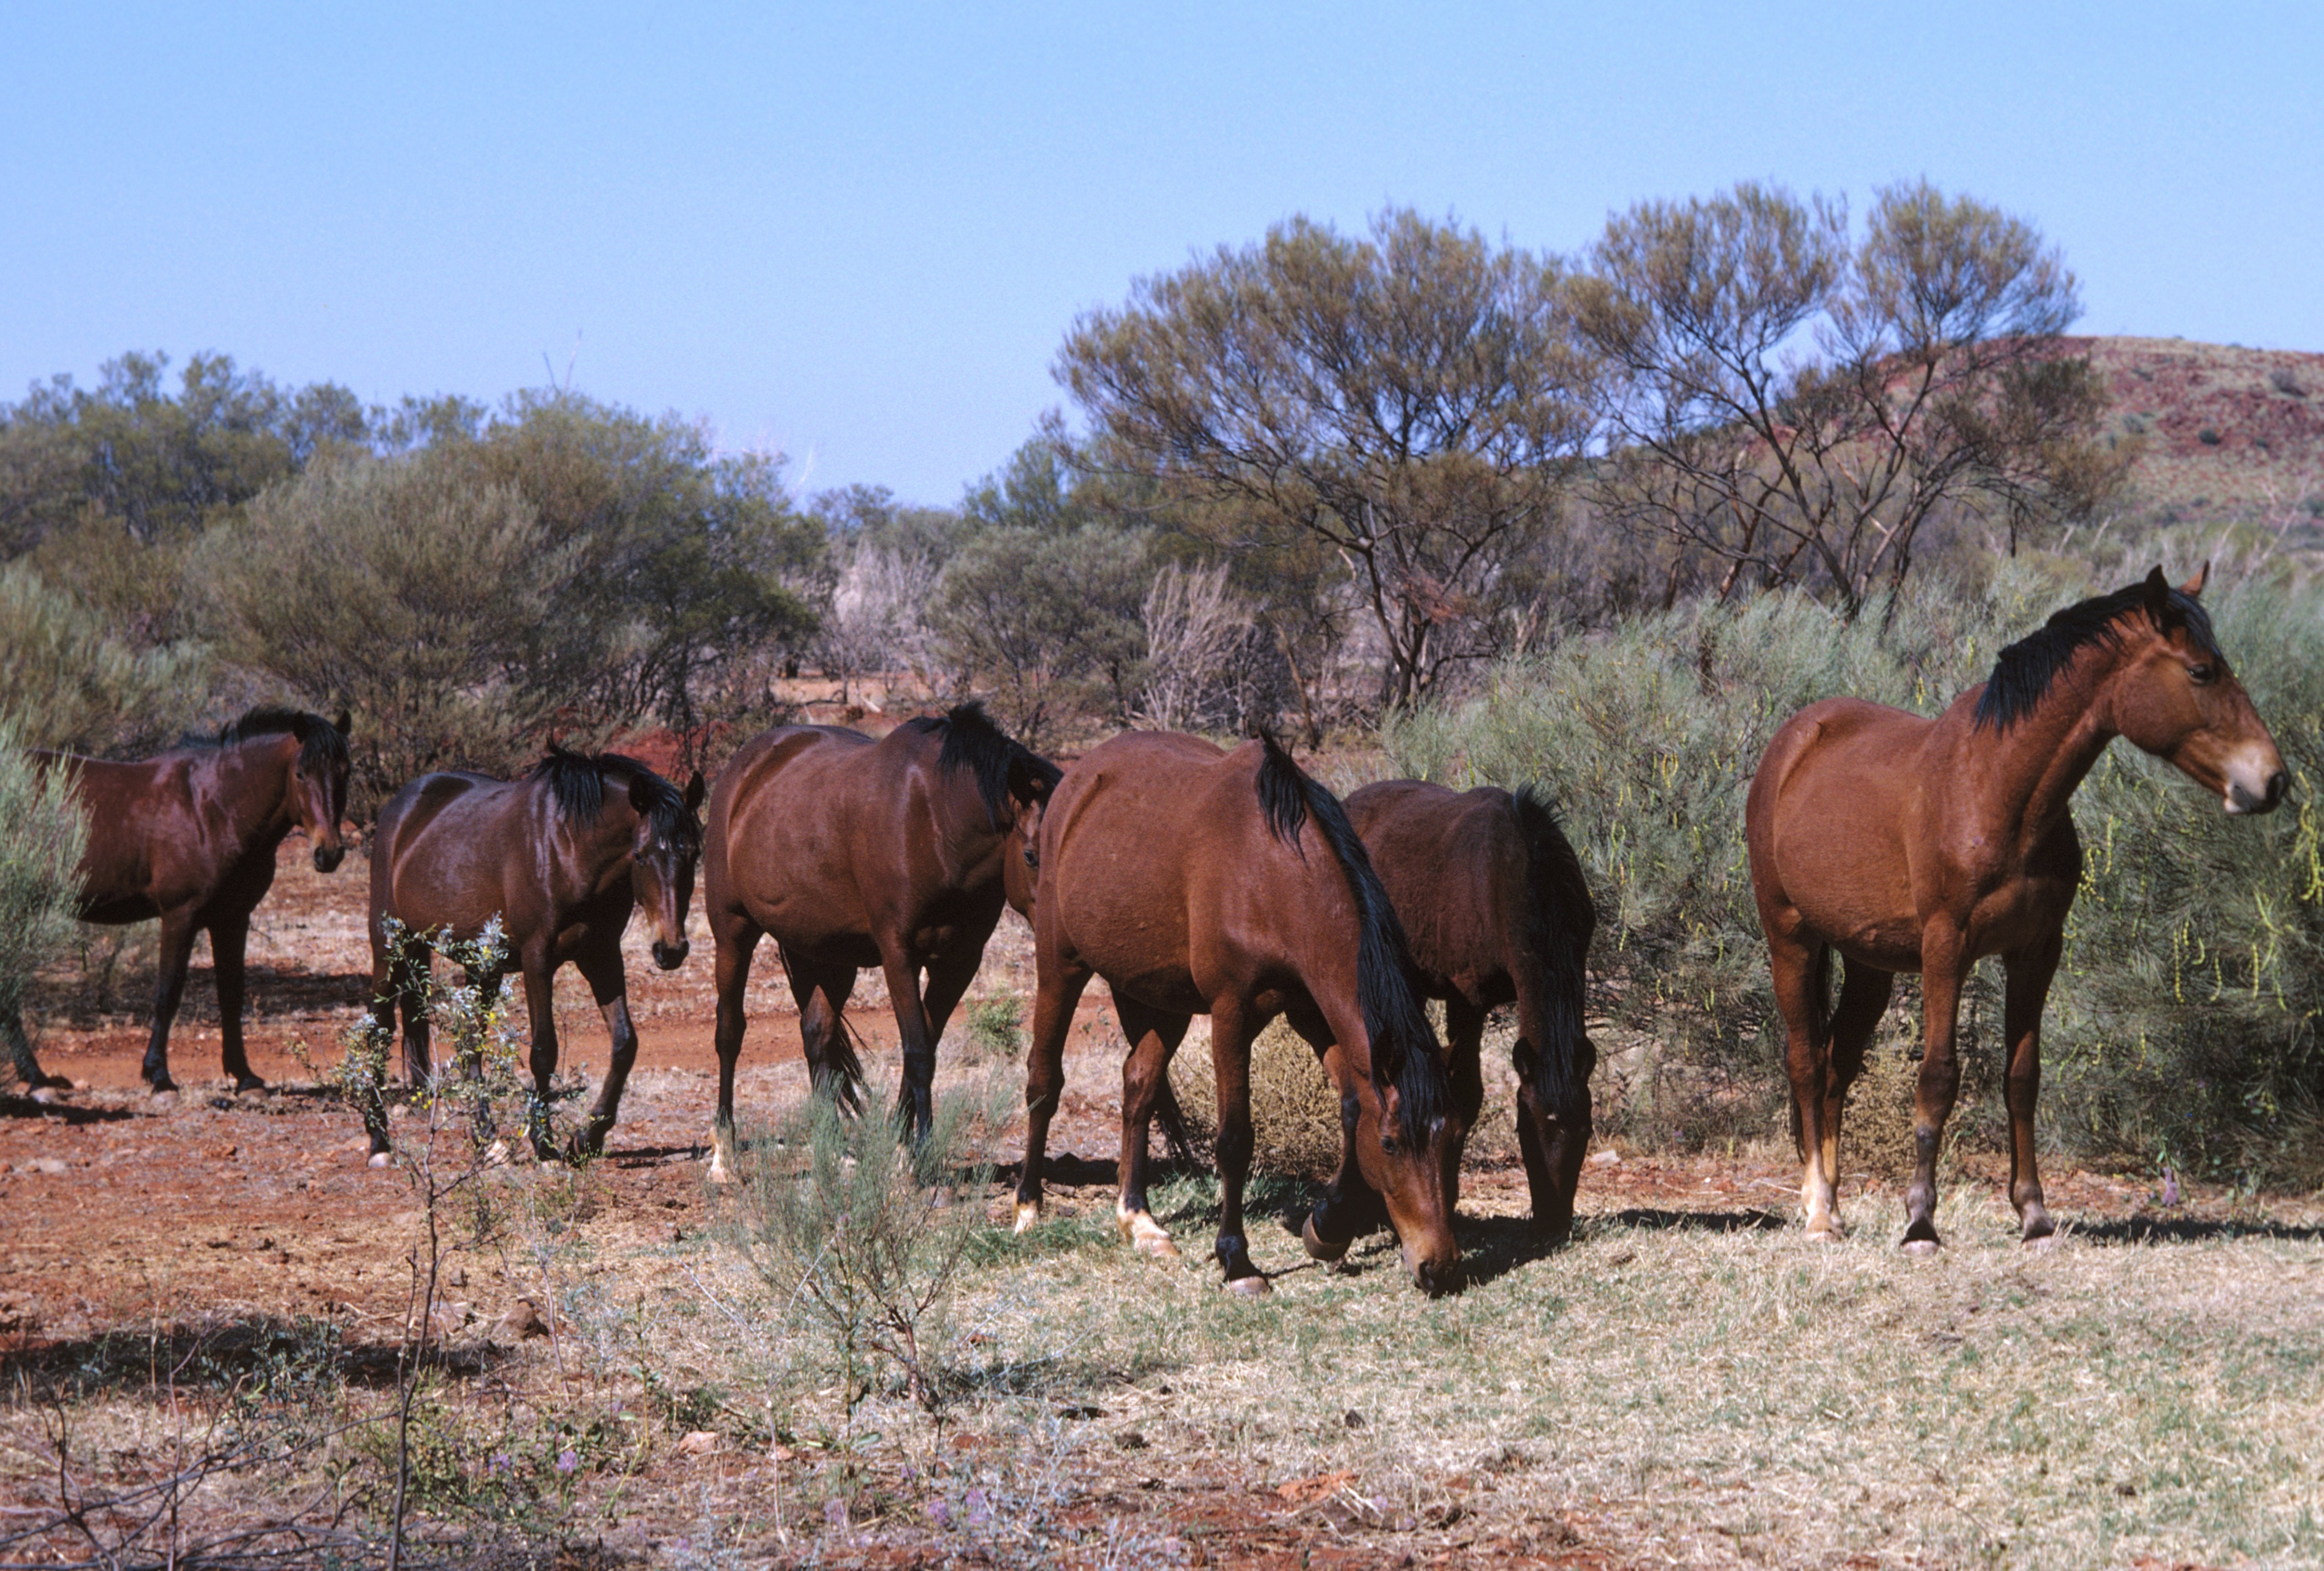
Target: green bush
{"points": [[2181, 1024], [40, 838], [68, 682]]}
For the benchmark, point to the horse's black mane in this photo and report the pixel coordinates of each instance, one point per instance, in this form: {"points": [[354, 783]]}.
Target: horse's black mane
{"points": [[1402, 1046], [971, 742], [577, 783], [322, 746], [2022, 676]]}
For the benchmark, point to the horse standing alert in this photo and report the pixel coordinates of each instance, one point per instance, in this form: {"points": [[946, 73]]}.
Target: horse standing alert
{"points": [[1916, 845], [190, 835], [1198, 882], [852, 853], [562, 857]]}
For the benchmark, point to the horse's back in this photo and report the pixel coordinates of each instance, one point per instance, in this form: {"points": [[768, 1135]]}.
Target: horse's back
{"points": [[439, 850], [1456, 867]]}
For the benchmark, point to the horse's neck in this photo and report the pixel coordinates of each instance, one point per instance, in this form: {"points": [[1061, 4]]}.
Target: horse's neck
{"points": [[255, 790], [2044, 757], [603, 849]]}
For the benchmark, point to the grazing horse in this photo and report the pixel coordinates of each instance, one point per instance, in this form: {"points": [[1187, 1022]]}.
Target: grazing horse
{"points": [[561, 857], [189, 837], [1198, 882], [1916, 844], [1496, 911], [851, 854]]}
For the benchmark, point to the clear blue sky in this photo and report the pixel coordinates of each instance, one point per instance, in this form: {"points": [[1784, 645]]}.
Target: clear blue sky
{"points": [[857, 233]]}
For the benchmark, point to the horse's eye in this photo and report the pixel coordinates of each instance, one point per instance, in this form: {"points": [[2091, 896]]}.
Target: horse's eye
{"points": [[1389, 1146], [2202, 674]]}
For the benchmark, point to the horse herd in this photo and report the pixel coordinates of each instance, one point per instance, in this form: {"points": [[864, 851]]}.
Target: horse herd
{"points": [[1197, 879]]}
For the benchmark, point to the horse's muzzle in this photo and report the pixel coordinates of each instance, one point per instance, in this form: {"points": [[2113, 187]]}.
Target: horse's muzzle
{"points": [[1436, 1279], [329, 857], [670, 956], [2242, 800]]}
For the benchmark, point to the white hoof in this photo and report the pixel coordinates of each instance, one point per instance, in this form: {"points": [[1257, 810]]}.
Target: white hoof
{"points": [[383, 1159], [1921, 1246], [1028, 1216], [1248, 1286], [1146, 1235]]}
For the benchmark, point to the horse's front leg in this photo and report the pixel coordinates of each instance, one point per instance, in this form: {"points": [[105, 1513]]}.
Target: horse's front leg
{"points": [[735, 937], [541, 1003], [229, 942], [916, 1096], [1349, 1206], [2030, 970], [1233, 1024], [609, 986], [177, 948], [1944, 967]]}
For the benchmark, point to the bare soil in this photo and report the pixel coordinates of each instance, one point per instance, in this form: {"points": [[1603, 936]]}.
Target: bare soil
{"points": [[132, 1215]]}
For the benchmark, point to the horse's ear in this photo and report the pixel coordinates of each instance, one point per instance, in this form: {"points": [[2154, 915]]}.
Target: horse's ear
{"points": [[2158, 593], [340, 722], [696, 789], [2193, 588]]}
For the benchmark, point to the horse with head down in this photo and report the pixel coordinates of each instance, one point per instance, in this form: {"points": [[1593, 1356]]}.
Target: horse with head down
{"points": [[189, 837], [1908, 844], [1200, 881], [852, 853], [560, 857], [1496, 911]]}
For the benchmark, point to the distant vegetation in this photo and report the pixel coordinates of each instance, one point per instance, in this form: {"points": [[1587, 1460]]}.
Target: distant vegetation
{"points": [[1599, 519]]}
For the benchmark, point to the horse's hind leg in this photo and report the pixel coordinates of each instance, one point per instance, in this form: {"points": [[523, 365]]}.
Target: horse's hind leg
{"points": [[2030, 971], [541, 1003], [1058, 989], [1233, 1024], [177, 948], [735, 937], [1154, 1036], [229, 942], [1863, 995], [821, 993], [602, 970], [1801, 970], [19, 1056]]}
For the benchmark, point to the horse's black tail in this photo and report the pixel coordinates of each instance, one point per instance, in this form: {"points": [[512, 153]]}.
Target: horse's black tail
{"points": [[1558, 922], [1173, 1119], [1404, 1048]]}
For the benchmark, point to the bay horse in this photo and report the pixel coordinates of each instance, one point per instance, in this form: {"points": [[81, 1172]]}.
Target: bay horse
{"points": [[190, 835], [1914, 844], [851, 853], [562, 856], [1200, 881], [1496, 911]]}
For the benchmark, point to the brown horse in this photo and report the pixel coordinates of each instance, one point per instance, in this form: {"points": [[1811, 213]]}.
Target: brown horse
{"points": [[189, 837], [1198, 882], [854, 852], [1914, 844], [562, 857], [1496, 911]]}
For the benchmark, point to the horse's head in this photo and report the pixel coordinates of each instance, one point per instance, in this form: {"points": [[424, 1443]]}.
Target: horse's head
{"points": [[662, 859], [1030, 781], [2181, 702], [1415, 1165], [318, 791]]}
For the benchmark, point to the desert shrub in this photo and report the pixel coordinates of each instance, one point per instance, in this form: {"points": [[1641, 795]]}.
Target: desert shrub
{"points": [[850, 1227], [1295, 1113], [1209, 666], [434, 608], [996, 1029], [40, 838], [1046, 620], [68, 682], [2182, 1022]]}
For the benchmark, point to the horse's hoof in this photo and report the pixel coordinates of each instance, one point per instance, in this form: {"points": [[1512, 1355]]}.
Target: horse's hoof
{"points": [[1156, 1243], [165, 1096], [43, 1094], [1920, 1246], [1828, 1233], [2042, 1241], [1253, 1286], [1318, 1248], [383, 1159], [1028, 1216], [243, 1082]]}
